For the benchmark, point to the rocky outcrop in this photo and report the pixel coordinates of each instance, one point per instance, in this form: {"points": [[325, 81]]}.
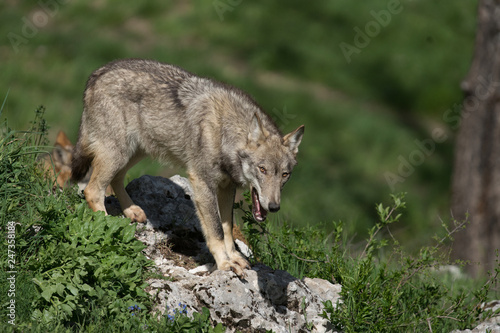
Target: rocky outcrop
{"points": [[266, 299]]}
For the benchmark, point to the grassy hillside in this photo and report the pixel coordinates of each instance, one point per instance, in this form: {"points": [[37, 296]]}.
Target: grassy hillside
{"points": [[363, 114]]}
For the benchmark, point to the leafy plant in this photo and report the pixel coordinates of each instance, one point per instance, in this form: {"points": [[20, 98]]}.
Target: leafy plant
{"points": [[87, 257]]}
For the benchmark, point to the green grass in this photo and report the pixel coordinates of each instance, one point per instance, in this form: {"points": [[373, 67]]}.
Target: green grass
{"points": [[360, 117]]}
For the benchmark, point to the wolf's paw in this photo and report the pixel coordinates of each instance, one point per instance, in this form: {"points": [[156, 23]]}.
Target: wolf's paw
{"points": [[239, 259], [135, 213], [237, 265]]}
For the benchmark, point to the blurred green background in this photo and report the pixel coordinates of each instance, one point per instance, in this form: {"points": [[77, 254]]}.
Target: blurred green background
{"points": [[363, 113]]}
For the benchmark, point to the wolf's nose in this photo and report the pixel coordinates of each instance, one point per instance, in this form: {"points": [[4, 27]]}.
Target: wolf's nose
{"points": [[274, 207]]}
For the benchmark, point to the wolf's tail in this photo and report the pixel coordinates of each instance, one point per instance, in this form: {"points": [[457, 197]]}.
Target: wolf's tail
{"points": [[80, 163]]}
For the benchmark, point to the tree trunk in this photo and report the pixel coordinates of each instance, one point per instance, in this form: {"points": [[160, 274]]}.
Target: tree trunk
{"points": [[476, 178]]}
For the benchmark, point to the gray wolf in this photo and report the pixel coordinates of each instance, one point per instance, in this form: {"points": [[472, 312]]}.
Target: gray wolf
{"points": [[57, 163], [134, 108]]}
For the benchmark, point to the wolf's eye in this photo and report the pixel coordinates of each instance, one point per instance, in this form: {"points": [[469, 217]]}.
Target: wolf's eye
{"points": [[263, 170], [285, 174]]}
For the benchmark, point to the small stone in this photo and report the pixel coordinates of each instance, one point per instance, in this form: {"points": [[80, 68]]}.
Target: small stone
{"points": [[202, 269]]}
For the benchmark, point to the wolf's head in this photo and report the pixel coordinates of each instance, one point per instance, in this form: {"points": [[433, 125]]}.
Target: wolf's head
{"points": [[267, 162]]}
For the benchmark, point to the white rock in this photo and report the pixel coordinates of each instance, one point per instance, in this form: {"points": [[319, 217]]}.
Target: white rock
{"points": [[202, 269], [244, 249]]}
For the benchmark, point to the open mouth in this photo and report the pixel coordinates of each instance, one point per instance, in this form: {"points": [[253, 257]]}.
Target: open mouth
{"points": [[259, 213]]}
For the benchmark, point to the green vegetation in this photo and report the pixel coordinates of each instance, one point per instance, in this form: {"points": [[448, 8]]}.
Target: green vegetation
{"points": [[85, 260], [360, 117], [79, 271], [384, 289]]}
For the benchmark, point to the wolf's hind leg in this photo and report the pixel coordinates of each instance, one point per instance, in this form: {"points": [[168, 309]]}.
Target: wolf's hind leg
{"points": [[130, 210], [102, 174]]}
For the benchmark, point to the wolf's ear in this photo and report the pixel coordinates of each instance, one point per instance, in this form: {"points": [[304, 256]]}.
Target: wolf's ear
{"points": [[62, 140], [292, 140], [257, 132]]}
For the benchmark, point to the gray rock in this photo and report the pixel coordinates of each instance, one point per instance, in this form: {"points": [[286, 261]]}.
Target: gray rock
{"points": [[266, 299]]}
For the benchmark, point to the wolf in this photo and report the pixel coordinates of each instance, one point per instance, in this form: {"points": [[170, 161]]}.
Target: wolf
{"points": [[57, 165], [135, 108], [58, 162]]}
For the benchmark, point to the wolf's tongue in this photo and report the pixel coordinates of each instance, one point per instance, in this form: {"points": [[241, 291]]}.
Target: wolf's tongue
{"points": [[259, 213]]}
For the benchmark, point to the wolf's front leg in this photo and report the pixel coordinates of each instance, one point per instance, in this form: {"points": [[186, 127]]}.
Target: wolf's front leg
{"points": [[205, 199], [225, 198]]}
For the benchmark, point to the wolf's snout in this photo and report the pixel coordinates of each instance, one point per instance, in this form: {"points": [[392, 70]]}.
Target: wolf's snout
{"points": [[274, 207]]}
